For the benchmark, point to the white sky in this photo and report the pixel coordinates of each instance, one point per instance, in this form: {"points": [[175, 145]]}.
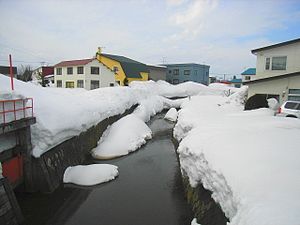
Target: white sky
{"points": [[218, 33]]}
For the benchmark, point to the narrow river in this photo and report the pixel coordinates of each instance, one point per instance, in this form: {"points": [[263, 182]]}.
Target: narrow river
{"points": [[148, 191]]}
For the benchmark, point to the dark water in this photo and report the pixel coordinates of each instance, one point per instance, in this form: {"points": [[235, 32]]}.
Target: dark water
{"points": [[148, 191]]}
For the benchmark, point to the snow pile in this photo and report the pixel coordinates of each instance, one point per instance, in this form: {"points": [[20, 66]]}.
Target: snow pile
{"points": [[248, 159], [124, 136], [171, 115], [185, 89], [273, 103], [63, 113], [194, 222], [88, 175]]}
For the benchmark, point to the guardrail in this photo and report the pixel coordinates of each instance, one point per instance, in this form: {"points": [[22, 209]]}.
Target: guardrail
{"points": [[15, 109]]}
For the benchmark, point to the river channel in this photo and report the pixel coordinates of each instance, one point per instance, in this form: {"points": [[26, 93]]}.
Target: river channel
{"points": [[148, 191]]}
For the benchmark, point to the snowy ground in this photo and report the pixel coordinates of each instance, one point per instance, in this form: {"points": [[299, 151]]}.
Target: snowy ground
{"points": [[249, 160]]}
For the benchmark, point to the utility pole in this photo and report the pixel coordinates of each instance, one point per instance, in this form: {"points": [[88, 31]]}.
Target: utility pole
{"points": [[11, 73]]}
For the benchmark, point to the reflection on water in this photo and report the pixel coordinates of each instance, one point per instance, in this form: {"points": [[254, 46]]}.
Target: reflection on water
{"points": [[148, 191]]}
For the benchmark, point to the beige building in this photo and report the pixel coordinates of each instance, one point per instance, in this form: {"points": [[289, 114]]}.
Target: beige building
{"points": [[157, 72], [85, 73], [277, 72]]}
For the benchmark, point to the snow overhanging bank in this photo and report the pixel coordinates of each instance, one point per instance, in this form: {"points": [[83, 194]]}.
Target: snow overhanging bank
{"points": [[247, 159]]}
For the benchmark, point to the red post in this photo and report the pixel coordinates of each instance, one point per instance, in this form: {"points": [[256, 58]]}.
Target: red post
{"points": [[11, 73]]}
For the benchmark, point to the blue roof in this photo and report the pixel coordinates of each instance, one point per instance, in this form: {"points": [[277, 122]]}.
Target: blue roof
{"points": [[236, 80], [249, 71]]}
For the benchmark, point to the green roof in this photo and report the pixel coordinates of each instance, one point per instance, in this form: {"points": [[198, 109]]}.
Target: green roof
{"points": [[131, 68]]}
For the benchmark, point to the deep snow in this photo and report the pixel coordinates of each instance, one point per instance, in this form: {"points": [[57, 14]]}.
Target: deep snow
{"points": [[248, 159]]}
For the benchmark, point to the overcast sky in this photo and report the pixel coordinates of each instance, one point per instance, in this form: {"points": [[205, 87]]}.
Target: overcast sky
{"points": [[217, 33]]}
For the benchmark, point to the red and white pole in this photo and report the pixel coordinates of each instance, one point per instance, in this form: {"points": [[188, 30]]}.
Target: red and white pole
{"points": [[11, 73]]}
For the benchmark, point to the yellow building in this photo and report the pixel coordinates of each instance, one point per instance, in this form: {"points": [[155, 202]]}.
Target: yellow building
{"points": [[126, 69]]}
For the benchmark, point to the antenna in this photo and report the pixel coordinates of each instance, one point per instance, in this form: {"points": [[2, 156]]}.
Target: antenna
{"points": [[164, 59]]}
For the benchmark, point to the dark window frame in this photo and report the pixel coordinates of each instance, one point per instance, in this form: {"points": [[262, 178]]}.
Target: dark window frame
{"points": [[69, 70], [80, 70], [59, 71], [95, 70]]}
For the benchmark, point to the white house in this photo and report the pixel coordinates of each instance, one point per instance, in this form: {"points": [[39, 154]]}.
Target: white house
{"points": [[277, 71], [248, 74], [84, 73]]}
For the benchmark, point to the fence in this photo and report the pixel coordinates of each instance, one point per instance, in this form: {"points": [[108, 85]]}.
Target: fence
{"points": [[15, 109]]}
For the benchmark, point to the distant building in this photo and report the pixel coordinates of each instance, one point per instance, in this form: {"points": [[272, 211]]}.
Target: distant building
{"points": [[179, 73], [84, 73], [236, 82], [5, 70], [277, 72], [126, 69], [157, 72], [248, 74], [45, 73]]}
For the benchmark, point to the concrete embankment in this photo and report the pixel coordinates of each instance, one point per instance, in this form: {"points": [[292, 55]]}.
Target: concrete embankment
{"points": [[205, 209], [48, 170]]}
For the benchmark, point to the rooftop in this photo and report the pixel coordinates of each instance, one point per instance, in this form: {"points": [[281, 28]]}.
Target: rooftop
{"points": [[77, 62], [249, 71], [276, 45], [131, 68]]}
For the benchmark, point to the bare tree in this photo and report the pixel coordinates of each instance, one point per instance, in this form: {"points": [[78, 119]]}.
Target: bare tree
{"points": [[25, 73]]}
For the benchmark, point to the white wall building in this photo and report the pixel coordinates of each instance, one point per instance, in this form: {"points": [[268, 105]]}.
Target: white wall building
{"points": [[277, 71], [85, 73]]}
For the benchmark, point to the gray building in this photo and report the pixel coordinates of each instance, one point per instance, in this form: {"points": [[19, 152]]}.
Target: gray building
{"points": [[179, 73], [157, 72]]}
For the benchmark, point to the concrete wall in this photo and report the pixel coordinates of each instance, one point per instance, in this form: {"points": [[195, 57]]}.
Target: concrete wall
{"points": [[105, 77], [279, 87], [292, 51], [48, 170]]}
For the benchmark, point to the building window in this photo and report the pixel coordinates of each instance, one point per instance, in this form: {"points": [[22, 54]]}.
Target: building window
{"points": [[195, 72], [186, 72], [58, 83], [170, 71], [111, 84], [69, 70], [176, 72], [294, 94], [69, 84], [247, 78], [58, 71], [80, 70], [94, 84], [175, 81], [80, 84], [115, 69], [94, 70], [279, 63], [267, 63]]}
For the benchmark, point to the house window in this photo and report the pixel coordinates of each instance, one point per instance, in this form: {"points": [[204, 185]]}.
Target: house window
{"points": [[115, 69], [94, 84], [58, 83], [267, 63], [111, 84], [186, 72], [69, 70], [247, 78], [195, 72], [170, 71], [294, 94], [80, 84], [69, 84], [175, 81], [80, 70], [94, 70], [279, 63], [176, 72], [58, 71]]}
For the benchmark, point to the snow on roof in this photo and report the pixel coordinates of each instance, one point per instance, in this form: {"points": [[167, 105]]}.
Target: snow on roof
{"points": [[77, 62]]}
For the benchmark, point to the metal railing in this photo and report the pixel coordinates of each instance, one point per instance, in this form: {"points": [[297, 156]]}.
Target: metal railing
{"points": [[15, 109]]}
